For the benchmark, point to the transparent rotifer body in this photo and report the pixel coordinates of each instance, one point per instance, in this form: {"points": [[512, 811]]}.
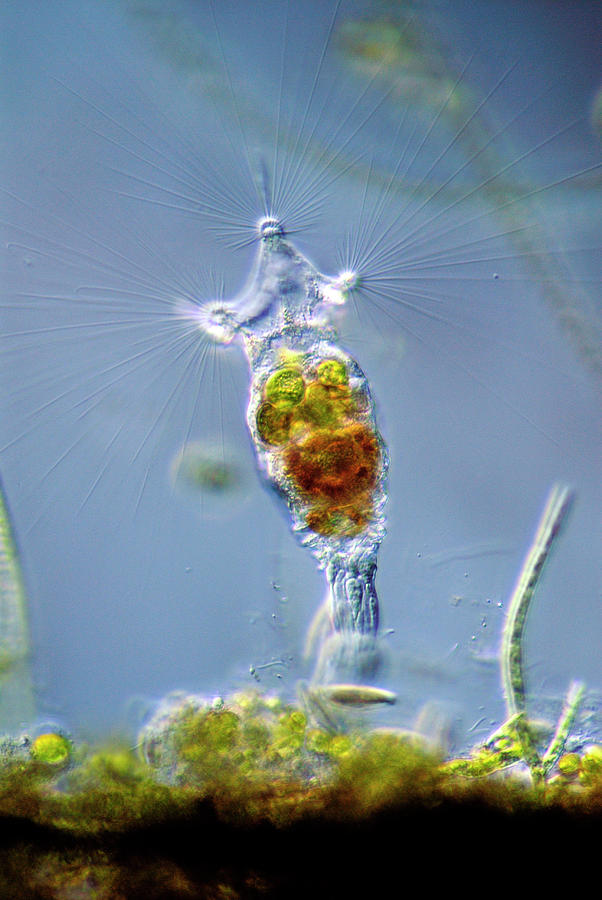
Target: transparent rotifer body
{"points": [[312, 420]]}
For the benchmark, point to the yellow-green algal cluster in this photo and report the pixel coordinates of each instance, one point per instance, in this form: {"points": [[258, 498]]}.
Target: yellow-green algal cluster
{"points": [[251, 737], [583, 769], [216, 799], [257, 756]]}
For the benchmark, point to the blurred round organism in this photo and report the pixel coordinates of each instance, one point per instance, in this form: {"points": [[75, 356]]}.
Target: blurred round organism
{"points": [[212, 474]]}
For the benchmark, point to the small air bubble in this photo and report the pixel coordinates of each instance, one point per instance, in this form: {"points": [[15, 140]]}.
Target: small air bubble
{"points": [[496, 276]]}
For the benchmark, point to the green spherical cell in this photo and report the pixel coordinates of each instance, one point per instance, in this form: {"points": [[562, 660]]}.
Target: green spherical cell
{"points": [[340, 745], [52, 748], [273, 424], [591, 765], [285, 387], [289, 734], [569, 764], [332, 373]]}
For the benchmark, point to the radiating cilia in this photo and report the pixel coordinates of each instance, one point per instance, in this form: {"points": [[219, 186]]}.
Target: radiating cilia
{"points": [[312, 420]]}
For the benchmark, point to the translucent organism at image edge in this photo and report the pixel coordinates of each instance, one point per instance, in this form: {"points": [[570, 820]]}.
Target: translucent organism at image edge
{"points": [[17, 698], [312, 420]]}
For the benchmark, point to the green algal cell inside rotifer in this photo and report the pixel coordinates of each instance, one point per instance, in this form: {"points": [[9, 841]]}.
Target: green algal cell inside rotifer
{"points": [[332, 372], [285, 388], [291, 405], [273, 424], [324, 407]]}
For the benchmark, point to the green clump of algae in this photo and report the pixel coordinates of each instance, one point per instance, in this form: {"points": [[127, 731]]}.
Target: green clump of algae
{"points": [[255, 753], [251, 755], [246, 773]]}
